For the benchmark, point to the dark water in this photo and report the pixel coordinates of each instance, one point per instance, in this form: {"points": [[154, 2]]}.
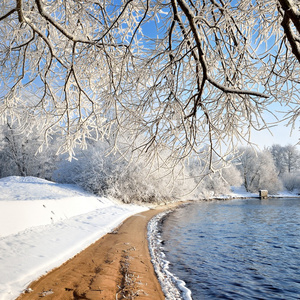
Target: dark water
{"points": [[239, 249]]}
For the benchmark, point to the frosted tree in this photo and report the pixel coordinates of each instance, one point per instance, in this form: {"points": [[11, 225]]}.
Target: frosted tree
{"points": [[258, 171], [20, 153], [186, 76], [286, 158], [292, 158], [278, 154], [287, 161]]}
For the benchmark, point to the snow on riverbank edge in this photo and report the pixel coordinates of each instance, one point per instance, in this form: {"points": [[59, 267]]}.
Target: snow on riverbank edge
{"points": [[173, 287]]}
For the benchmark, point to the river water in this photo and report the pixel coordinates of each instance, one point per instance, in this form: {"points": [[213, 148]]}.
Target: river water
{"points": [[236, 249]]}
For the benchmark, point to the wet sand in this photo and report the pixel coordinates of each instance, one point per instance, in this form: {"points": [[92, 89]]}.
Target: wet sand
{"points": [[117, 266]]}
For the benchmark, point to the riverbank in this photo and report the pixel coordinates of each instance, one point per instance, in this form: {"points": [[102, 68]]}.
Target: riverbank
{"points": [[115, 266], [44, 224]]}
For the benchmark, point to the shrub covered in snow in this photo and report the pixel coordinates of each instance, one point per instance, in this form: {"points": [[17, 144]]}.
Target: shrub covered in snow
{"points": [[291, 181], [129, 180]]}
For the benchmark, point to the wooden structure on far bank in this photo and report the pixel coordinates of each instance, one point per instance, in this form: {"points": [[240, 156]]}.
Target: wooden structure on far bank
{"points": [[263, 194]]}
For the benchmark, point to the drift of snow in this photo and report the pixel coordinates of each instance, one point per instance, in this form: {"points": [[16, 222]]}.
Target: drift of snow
{"points": [[43, 224]]}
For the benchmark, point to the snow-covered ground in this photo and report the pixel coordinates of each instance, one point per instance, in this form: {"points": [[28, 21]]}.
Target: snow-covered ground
{"points": [[43, 224], [240, 192]]}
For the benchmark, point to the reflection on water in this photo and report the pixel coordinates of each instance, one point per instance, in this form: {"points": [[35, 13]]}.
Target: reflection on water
{"points": [[239, 249]]}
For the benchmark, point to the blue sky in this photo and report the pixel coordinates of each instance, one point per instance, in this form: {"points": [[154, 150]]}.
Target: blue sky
{"points": [[280, 134]]}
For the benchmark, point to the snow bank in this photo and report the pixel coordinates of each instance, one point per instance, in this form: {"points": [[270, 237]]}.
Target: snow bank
{"points": [[27, 202], [43, 224]]}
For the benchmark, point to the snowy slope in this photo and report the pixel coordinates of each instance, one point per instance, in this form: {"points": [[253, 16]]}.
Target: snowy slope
{"points": [[42, 224]]}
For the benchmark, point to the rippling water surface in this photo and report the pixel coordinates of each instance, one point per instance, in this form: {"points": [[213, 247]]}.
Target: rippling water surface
{"points": [[237, 249]]}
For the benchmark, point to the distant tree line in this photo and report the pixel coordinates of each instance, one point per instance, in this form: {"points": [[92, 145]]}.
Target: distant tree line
{"points": [[132, 176]]}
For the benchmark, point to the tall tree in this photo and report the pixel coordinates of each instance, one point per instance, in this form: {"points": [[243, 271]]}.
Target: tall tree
{"points": [[258, 170], [286, 158], [189, 76]]}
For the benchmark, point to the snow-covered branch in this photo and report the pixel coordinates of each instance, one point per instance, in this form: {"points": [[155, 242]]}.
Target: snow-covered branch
{"points": [[191, 77]]}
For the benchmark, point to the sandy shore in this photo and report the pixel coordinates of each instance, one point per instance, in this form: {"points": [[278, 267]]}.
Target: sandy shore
{"points": [[117, 266]]}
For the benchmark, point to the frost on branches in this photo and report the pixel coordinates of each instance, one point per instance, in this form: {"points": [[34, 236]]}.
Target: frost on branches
{"points": [[183, 76]]}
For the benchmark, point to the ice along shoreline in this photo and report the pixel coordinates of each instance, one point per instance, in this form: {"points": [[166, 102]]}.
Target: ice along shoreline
{"points": [[173, 287]]}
